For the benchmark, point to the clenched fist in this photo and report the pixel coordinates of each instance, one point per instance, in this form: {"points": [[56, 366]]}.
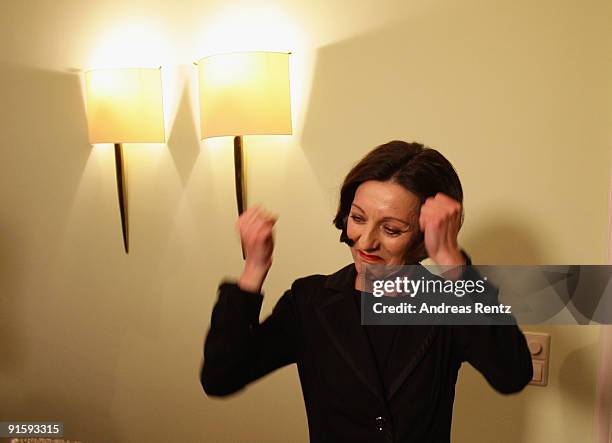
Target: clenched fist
{"points": [[440, 221], [256, 229]]}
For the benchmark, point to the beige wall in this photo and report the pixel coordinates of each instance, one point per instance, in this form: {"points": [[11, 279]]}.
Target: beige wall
{"points": [[518, 94]]}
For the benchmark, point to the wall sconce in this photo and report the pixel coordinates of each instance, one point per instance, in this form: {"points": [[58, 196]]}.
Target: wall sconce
{"points": [[244, 93], [124, 106]]}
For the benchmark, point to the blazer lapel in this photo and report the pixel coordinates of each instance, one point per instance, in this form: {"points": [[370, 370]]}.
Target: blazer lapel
{"points": [[411, 345], [342, 323]]}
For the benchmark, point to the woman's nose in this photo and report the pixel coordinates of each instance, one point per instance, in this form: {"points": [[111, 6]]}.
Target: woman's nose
{"points": [[369, 238]]}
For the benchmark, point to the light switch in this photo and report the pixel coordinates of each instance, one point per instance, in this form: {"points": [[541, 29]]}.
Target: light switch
{"points": [[537, 371], [535, 347], [539, 347]]}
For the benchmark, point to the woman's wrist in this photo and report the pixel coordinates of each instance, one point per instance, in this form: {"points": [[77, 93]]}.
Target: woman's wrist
{"points": [[451, 258], [454, 262], [252, 278]]}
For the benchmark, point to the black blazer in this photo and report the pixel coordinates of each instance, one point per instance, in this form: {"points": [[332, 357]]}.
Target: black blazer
{"points": [[316, 325]]}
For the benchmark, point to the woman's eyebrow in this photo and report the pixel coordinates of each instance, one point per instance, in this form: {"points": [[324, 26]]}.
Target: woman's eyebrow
{"points": [[384, 218], [358, 207], [395, 219]]}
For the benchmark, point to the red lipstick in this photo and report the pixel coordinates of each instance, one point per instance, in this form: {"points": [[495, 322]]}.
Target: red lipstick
{"points": [[368, 257]]}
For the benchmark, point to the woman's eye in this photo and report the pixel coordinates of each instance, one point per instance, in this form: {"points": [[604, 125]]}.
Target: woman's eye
{"points": [[357, 218], [391, 231]]}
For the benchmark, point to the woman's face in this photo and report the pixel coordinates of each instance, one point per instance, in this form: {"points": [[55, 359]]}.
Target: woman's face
{"points": [[383, 222]]}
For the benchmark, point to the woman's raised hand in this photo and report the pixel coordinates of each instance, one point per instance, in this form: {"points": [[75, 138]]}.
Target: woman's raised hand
{"points": [[256, 229], [440, 221]]}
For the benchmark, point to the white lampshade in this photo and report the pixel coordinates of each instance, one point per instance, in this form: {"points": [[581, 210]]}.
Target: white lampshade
{"points": [[244, 93], [125, 106]]}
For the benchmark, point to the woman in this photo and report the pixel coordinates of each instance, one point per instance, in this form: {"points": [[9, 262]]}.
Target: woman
{"points": [[400, 204]]}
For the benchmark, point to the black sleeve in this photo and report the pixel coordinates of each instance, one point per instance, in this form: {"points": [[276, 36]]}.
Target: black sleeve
{"points": [[238, 349], [498, 352]]}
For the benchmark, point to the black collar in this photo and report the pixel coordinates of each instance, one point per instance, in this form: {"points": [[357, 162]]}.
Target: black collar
{"points": [[342, 280]]}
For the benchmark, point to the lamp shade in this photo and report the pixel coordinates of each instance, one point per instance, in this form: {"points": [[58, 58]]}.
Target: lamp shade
{"points": [[245, 93], [125, 106]]}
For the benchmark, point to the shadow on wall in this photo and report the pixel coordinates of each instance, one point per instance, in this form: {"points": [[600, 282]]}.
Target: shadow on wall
{"points": [[11, 275], [576, 373], [89, 331], [454, 79], [497, 242], [481, 414], [473, 80], [44, 133], [183, 142]]}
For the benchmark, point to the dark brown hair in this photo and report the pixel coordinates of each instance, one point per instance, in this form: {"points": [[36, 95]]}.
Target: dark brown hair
{"points": [[419, 169]]}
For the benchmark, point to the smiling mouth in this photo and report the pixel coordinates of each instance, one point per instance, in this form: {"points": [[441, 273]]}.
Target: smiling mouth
{"points": [[368, 257]]}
